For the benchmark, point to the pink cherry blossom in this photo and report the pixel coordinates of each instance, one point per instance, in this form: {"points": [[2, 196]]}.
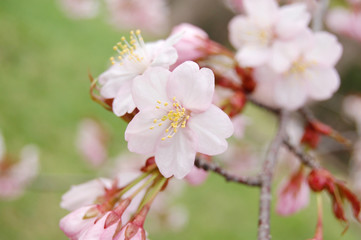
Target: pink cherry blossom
{"points": [[16, 176], [91, 142], [177, 118], [133, 60], [80, 8], [196, 176], [264, 25], [149, 15], [345, 22], [192, 43], [293, 195], [84, 194], [306, 73]]}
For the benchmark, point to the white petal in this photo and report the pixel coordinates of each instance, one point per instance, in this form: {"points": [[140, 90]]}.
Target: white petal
{"points": [[211, 128], [264, 11], [291, 92], [150, 87], [253, 55], [141, 139], [163, 54], [326, 50], [84, 194], [73, 224], [192, 87], [123, 102], [292, 19], [241, 30], [176, 156], [112, 79], [322, 83]]}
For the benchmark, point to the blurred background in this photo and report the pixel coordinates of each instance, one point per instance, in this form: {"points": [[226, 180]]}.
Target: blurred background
{"points": [[45, 58]]}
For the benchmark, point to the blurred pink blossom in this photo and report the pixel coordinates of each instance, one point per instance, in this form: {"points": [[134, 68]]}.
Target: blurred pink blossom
{"points": [[293, 194], [16, 176], [80, 8], [148, 15], [92, 141], [306, 73], [133, 60], [196, 176], [264, 25], [173, 123], [345, 22]]}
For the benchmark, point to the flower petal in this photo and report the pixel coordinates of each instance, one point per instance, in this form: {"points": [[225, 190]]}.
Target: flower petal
{"points": [[291, 92], [192, 87], [253, 55], [176, 156], [322, 83], [326, 50], [292, 19], [264, 11], [141, 139], [123, 102], [150, 87], [211, 128], [73, 224], [241, 30], [162, 53]]}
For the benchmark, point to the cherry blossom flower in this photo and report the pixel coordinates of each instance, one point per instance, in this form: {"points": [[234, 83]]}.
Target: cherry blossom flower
{"points": [[196, 176], [345, 22], [91, 142], [293, 194], [192, 43], [307, 73], [177, 118], [256, 34], [149, 15], [80, 8], [134, 59], [16, 176]]}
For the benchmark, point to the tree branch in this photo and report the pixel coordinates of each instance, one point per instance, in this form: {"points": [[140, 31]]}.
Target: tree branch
{"points": [[208, 166], [267, 177], [303, 157]]}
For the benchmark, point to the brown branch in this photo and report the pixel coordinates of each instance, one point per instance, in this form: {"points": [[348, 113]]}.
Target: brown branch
{"points": [[209, 166], [267, 177], [303, 157]]}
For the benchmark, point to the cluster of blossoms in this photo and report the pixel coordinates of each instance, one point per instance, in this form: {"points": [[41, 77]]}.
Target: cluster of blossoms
{"points": [[184, 96], [16, 175]]}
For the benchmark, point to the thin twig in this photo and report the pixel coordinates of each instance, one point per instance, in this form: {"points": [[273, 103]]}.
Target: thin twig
{"points": [[266, 179], [303, 157], [319, 13], [209, 166]]}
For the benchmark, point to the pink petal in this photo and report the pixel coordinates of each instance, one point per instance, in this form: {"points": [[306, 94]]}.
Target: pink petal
{"points": [[239, 29], [162, 53], [322, 83], [338, 20], [192, 87], [211, 128], [97, 230], [292, 19], [150, 88], [73, 224], [326, 50], [176, 156], [123, 101], [141, 139], [196, 176]]}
